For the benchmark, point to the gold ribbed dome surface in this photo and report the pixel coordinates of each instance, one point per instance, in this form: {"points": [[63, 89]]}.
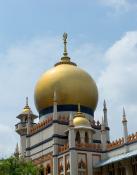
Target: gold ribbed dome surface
{"points": [[81, 120], [72, 86]]}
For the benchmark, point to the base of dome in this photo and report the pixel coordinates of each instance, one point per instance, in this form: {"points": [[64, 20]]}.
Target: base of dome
{"points": [[69, 107]]}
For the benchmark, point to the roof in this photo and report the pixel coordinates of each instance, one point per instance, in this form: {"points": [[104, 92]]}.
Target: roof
{"points": [[117, 158]]}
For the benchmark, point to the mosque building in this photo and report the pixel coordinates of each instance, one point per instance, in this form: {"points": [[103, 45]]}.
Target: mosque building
{"points": [[68, 140]]}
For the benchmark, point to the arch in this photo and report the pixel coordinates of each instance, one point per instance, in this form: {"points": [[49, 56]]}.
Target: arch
{"points": [[81, 164], [48, 169], [86, 137], [77, 139], [42, 172]]}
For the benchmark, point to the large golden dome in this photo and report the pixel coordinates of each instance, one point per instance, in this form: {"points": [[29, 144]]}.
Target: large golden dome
{"points": [[72, 85]]}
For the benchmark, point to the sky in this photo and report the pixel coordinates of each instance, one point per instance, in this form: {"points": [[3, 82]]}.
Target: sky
{"points": [[102, 39]]}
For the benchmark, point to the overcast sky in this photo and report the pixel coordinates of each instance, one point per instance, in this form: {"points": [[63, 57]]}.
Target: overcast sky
{"points": [[102, 39]]}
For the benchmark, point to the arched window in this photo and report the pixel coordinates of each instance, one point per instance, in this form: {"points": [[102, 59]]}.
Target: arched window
{"points": [[86, 138], [48, 170], [81, 165], [77, 137], [42, 172]]}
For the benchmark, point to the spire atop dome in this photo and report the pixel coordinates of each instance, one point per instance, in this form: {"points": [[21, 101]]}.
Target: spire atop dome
{"points": [[65, 35], [27, 101], [65, 59]]}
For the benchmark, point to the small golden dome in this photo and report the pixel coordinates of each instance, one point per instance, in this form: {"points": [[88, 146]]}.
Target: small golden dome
{"points": [[72, 85], [81, 120], [26, 109]]}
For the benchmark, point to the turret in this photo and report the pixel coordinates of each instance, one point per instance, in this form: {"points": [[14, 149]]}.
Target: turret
{"points": [[125, 130], [21, 127], [17, 153], [106, 121], [80, 133], [72, 145], [55, 140], [103, 136]]}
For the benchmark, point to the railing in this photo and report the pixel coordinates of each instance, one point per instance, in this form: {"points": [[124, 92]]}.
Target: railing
{"points": [[91, 146], [116, 143], [40, 125], [132, 138]]}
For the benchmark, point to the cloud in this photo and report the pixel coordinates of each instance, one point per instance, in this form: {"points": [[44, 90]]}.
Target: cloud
{"points": [[120, 5], [118, 81], [20, 67]]}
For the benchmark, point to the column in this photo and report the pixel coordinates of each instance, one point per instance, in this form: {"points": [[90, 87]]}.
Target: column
{"points": [[73, 153], [89, 164], [55, 158], [82, 136], [90, 136]]}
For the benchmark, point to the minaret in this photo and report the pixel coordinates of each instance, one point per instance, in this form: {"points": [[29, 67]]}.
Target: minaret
{"points": [[16, 153], [21, 127], [106, 120], [72, 145], [55, 140], [29, 124], [125, 130], [103, 135]]}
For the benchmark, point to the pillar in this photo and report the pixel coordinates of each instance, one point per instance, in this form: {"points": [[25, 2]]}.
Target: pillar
{"points": [[55, 158], [73, 152], [82, 136]]}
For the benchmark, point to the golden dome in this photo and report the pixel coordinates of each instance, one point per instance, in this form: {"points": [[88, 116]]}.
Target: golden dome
{"points": [[81, 120], [72, 85], [26, 109]]}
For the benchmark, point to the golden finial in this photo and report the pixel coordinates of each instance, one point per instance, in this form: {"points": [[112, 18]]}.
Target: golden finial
{"points": [[26, 101], [65, 35], [65, 59]]}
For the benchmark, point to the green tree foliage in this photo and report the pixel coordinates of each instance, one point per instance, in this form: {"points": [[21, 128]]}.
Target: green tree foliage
{"points": [[17, 166]]}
